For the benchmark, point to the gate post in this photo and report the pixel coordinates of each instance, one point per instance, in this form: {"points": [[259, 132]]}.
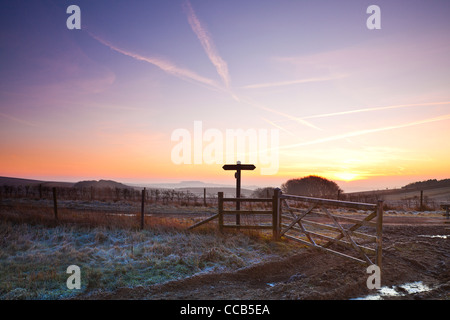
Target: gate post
{"points": [[276, 214], [142, 209], [379, 240]]}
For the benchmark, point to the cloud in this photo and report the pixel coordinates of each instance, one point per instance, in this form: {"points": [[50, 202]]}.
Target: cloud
{"points": [[207, 44], [163, 64]]}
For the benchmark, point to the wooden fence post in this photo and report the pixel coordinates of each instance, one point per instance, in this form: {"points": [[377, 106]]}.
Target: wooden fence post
{"points": [[142, 209], [55, 203], [276, 214], [204, 197], [379, 231], [421, 200], [220, 205]]}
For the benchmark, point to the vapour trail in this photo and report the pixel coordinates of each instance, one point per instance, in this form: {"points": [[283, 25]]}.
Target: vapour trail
{"points": [[207, 44], [367, 131], [375, 109], [288, 116], [292, 82], [279, 127], [163, 64], [18, 120]]}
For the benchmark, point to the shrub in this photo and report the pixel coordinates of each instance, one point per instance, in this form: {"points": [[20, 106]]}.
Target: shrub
{"points": [[311, 186]]}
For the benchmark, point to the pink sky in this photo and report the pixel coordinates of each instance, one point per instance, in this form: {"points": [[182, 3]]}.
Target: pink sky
{"points": [[365, 108]]}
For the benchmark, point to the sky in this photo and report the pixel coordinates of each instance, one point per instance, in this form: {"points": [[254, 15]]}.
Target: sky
{"points": [[148, 91]]}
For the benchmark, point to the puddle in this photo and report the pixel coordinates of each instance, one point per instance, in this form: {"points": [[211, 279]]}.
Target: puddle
{"points": [[397, 291], [434, 236], [415, 287]]}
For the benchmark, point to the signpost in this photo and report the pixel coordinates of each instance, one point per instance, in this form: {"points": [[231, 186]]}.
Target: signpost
{"points": [[238, 167]]}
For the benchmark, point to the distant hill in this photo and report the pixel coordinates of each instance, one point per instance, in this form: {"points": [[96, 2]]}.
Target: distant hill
{"points": [[195, 187], [428, 184], [227, 191], [435, 190], [15, 182], [101, 184]]}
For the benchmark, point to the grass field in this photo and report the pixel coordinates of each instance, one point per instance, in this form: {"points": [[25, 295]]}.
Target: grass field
{"points": [[105, 241], [34, 257]]}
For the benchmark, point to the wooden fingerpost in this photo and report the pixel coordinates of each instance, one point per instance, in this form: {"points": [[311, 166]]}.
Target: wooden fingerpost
{"points": [[142, 209], [237, 175], [238, 167], [55, 203]]}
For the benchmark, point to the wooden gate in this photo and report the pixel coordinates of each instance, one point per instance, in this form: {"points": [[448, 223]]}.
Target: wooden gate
{"points": [[271, 214], [329, 225], [348, 229]]}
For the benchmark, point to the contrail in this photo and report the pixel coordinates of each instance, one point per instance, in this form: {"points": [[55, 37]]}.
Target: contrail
{"points": [[164, 65], [367, 131], [279, 127], [359, 133], [375, 109], [288, 116], [287, 83], [7, 116], [207, 44], [185, 74], [221, 66]]}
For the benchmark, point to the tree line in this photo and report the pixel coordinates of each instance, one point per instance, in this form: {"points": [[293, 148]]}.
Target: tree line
{"points": [[162, 196]]}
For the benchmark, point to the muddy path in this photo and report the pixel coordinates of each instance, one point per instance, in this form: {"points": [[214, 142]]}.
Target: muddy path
{"points": [[412, 252]]}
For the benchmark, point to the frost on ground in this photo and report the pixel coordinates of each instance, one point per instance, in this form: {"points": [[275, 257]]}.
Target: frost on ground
{"points": [[34, 258]]}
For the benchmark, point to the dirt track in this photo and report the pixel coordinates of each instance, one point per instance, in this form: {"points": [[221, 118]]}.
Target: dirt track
{"points": [[411, 252]]}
